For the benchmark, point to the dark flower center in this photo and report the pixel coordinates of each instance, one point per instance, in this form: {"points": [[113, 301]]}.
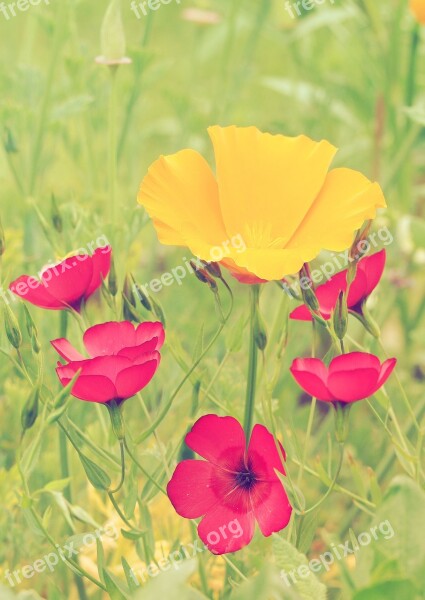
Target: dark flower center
{"points": [[245, 479]]}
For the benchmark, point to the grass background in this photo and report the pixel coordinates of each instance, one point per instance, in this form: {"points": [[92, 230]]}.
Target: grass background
{"points": [[344, 71]]}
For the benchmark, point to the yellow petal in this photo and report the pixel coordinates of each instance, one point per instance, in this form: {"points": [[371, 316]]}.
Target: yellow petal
{"points": [[267, 183], [346, 200], [418, 9], [181, 196], [273, 264]]}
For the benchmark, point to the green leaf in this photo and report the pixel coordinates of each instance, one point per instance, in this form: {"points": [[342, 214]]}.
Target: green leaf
{"points": [[95, 474], [307, 529], [288, 559], [114, 587], [129, 575], [171, 579]]}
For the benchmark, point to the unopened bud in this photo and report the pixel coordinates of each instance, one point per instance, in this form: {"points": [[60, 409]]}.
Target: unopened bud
{"points": [[260, 332], [56, 216], [204, 276], [11, 324], [142, 296], [157, 310], [129, 312], [9, 142], [340, 316], [112, 279], [112, 35], [213, 269], [30, 411]]}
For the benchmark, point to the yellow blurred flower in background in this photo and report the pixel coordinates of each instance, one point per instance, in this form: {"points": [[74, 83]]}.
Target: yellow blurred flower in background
{"points": [[418, 9], [275, 192]]}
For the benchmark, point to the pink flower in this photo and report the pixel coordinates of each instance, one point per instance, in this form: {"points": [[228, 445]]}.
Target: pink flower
{"points": [[234, 486], [123, 360], [67, 284], [349, 377], [368, 275]]}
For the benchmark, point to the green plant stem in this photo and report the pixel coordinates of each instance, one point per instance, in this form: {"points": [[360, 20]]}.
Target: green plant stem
{"points": [[252, 363], [167, 407], [112, 146], [122, 478], [331, 487]]}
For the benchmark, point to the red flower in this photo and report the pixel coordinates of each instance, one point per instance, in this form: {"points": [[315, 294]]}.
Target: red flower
{"points": [[67, 284], [368, 275], [123, 360], [234, 487], [349, 377]]}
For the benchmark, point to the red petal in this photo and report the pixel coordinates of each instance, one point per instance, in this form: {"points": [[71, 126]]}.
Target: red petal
{"points": [[36, 293], [311, 374], [190, 489], [66, 350], [301, 313], [386, 370], [263, 456], [92, 388], [68, 280], [354, 360], [101, 265], [134, 352], [271, 507], [135, 378], [327, 295], [221, 440], [223, 530], [373, 266], [109, 338], [150, 330]]}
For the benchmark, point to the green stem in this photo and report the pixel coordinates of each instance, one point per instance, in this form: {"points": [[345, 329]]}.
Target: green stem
{"points": [[112, 147], [331, 487], [252, 364]]}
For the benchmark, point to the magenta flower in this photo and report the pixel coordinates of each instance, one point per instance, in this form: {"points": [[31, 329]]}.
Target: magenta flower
{"points": [[368, 275], [349, 377], [67, 284], [234, 486], [123, 360]]}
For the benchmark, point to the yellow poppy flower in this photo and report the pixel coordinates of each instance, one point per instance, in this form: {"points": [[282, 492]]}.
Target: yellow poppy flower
{"points": [[271, 191], [418, 9]]}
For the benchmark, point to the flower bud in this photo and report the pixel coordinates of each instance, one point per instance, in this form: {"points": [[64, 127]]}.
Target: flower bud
{"points": [[32, 330], [340, 316], [129, 312], [30, 411], [112, 279], [213, 269], [260, 332], [11, 324], [112, 36], [56, 216], [157, 310], [9, 142], [142, 296], [204, 276]]}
